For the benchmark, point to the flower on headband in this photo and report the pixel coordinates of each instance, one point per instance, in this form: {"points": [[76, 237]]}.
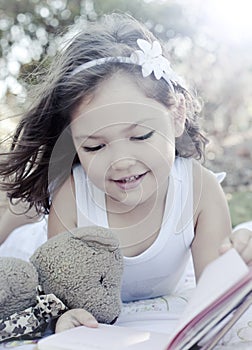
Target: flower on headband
{"points": [[151, 59]]}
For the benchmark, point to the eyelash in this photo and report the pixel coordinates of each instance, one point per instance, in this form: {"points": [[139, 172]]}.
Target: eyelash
{"points": [[143, 137], [133, 138], [93, 149]]}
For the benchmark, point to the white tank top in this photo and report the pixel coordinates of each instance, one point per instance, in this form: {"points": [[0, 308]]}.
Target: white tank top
{"points": [[157, 270]]}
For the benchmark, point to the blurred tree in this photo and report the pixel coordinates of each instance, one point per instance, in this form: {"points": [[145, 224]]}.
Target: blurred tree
{"points": [[28, 31], [164, 18]]}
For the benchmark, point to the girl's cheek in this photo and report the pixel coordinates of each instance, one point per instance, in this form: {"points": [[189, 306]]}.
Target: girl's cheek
{"points": [[94, 165]]}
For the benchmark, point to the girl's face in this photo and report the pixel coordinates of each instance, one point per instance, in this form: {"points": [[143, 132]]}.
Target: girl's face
{"points": [[125, 141]]}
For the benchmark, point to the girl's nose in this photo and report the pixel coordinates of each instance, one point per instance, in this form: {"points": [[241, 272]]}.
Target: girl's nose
{"points": [[123, 163], [121, 155]]}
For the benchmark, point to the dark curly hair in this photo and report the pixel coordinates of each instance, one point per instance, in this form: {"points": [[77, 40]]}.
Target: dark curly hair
{"points": [[32, 169]]}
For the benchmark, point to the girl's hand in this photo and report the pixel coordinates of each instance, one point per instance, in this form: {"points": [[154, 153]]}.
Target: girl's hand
{"points": [[241, 240], [74, 318]]}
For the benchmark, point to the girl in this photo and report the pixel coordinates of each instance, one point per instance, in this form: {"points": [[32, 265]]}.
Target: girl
{"points": [[110, 141]]}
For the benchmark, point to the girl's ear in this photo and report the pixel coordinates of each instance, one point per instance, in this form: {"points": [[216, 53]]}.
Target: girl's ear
{"points": [[180, 115]]}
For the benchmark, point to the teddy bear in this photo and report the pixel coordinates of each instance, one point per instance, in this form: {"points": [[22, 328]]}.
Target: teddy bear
{"points": [[81, 268]]}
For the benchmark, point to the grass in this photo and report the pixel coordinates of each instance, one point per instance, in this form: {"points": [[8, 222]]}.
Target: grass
{"points": [[240, 206]]}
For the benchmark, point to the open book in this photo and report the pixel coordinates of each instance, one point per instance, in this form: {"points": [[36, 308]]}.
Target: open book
{"points": [[222, 295]]}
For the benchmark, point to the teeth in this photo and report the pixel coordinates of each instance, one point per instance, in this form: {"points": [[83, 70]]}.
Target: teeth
{"points": [[131, 178]]}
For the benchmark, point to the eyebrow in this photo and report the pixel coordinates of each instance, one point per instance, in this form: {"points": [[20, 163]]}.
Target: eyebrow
{"points": [[128, 128]]}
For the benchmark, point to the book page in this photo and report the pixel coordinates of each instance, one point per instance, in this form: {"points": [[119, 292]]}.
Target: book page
{"points": [[216, 281], [212, 321], [105, 337]]}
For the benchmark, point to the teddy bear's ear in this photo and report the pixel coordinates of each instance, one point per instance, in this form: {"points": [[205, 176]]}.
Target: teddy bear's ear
{"points": [[97, 235], [18, 282]]}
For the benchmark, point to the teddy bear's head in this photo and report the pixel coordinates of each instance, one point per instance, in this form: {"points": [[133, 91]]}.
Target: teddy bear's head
{"points": [[83, 268]]}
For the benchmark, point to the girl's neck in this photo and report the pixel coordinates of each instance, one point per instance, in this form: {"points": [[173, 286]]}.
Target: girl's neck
{"points": [[138, 228]]}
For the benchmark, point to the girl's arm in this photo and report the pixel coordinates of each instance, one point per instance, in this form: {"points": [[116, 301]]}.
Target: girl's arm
{"points": [[15, 216], [63, 217], [212, 218]]}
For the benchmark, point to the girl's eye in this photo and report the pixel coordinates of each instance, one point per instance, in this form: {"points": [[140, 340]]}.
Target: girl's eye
{"points": [[142, 137], [93, 149], [133, 138]]}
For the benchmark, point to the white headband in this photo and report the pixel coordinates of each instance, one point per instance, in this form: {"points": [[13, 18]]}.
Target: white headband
{"points": [[149, 58]]}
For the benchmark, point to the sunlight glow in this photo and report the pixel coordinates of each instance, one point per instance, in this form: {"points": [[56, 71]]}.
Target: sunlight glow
{"points": [[231, 19]]}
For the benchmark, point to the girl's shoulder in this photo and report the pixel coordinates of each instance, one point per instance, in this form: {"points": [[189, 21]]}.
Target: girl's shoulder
{"points": [[195, 170], [62, 191], [203, 176], [206, 186], [62, 214]]}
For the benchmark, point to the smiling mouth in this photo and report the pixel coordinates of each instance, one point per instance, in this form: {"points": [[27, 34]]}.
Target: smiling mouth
{"points": [[129, 179]]}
